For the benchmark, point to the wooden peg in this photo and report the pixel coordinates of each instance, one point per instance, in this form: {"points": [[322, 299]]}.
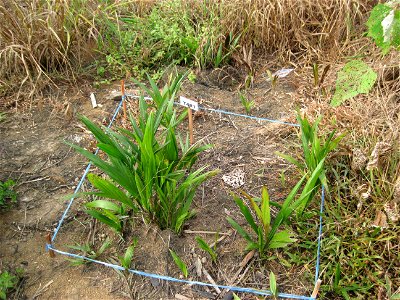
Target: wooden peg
{"points": [[48, 240], [190, 116], [316, 288], [123, 98]]}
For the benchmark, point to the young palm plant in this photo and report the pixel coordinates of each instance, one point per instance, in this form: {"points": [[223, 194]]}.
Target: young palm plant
{"points": [[315, 150], [266, 229], [149, 169]]}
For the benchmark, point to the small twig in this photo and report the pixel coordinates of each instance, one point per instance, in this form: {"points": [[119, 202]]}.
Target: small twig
{"points": [[34, 180], [233, 123], [60, 187], [211, 280], [316, 288], [212, 245], [243, 263], [23, 228], [41, 290]]}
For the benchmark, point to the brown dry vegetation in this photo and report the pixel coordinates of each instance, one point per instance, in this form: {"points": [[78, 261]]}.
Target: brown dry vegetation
{"points": [[43, 42]]}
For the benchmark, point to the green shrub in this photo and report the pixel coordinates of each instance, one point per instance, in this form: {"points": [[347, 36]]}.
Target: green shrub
{"points": [[7, 283], [173, 32], [7, 194]]}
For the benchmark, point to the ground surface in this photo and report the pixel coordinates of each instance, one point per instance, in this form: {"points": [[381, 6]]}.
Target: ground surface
{"points": [[33, 152]]}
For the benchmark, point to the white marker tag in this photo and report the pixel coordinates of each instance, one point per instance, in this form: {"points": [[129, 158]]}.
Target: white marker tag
{"points": [[188, 103], [93, 99]]}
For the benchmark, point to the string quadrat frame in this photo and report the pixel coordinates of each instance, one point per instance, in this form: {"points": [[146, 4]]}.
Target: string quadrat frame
{"points": [[51, 241]]}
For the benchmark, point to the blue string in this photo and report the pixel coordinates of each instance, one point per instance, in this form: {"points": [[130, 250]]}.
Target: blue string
{"points": [[168, 278], [220, 111], [320, 234], [78, 187]]}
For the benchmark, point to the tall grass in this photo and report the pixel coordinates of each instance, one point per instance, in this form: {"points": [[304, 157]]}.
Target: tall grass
{"points": [[43, 39], [295, 27], [38, 38]]}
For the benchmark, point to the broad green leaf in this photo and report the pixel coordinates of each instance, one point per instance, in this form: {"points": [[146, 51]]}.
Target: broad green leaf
{"points": [[280, 240], [109, 190], [246, 213], [97, 131], [103, 204], [265, 209], [203, 245], [115, 224], [356, 77], [290, 159], [128, 256]]}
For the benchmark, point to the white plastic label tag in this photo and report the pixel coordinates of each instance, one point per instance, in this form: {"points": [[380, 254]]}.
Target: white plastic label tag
{"points": [[188, 103]]}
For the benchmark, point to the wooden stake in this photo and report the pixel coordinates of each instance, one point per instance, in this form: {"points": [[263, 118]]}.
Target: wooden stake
{"points": [[316, 288], [48, 240], [123, 97], [190, 116]]}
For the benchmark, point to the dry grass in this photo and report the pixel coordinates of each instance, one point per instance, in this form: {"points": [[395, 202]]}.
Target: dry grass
{"points": [[42, 38], [294, 28]]}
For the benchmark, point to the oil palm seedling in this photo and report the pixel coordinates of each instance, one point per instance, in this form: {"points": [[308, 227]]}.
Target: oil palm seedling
{"points": [[148, 169], [267, 233]]}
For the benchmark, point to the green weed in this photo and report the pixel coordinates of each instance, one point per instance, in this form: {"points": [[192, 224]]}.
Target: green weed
{"points": [[272, 285], [126, 260], [384, 26], [9, 282], [88, 251], [247, 104], [7, 194]]}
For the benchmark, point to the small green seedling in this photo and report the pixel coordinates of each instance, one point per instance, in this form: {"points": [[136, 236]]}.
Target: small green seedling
{"points": [[179, 262], [88, 251], [247, 104], [315, 150], [236, 297], [272, 285], [203, 245], [126, 260], [273, 78], [267, 235]]}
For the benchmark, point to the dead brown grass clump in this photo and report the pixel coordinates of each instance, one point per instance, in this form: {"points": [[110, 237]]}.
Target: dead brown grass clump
{"points": [[39, 38], [294, 28]]}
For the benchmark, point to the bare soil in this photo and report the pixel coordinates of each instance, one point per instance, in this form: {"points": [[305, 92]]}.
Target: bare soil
{"points": [[33, 152]]}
